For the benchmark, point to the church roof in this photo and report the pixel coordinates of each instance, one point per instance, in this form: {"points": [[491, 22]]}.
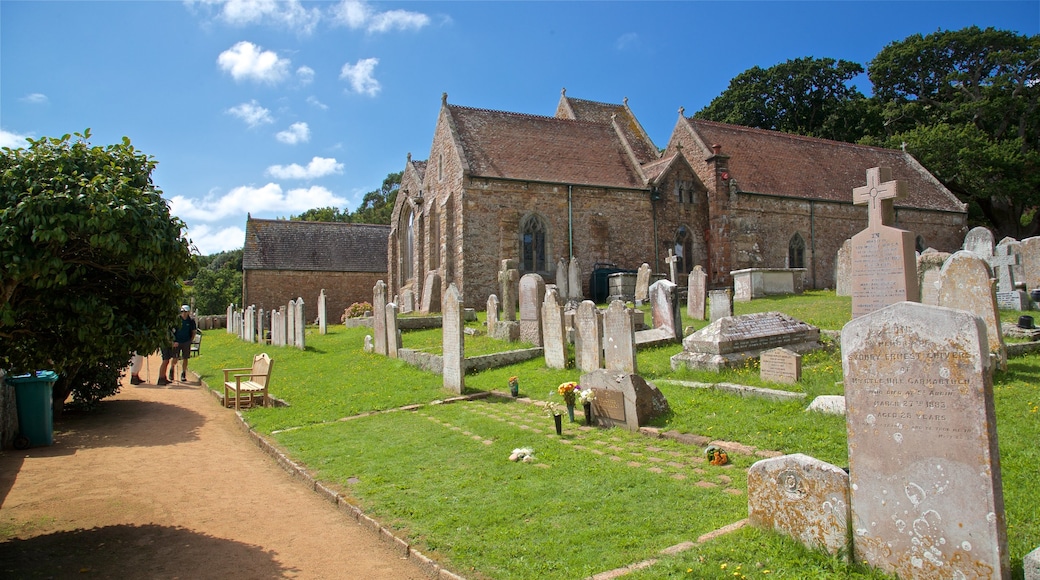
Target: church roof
{"points": [[505, 145], [596, 112], [782, 164], [314, 246]]}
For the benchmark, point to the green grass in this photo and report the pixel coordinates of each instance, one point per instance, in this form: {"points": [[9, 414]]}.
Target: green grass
{"points": [[591, 502]]}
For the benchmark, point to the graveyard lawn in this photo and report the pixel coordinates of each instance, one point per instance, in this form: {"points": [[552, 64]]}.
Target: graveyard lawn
{"points": [[593, 500]]}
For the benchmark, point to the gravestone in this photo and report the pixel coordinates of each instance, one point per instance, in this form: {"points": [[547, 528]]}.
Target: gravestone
{"points": [[431, 296], [290, 324], [508, 280], [379, 316], [733, 340], [562, 277], [926, 492], [965, 284], [720, 304], [300, 340], [322, 313], [230, 317], [1030, 252], [619, 339], [453, 338], [802, 497], [673, 266], [492, 314], [588, 337], [260, 326], [843, 270], [664, 310], [275, 320], [1013, 247], [574, 292], [929, 263], [780, 365], [1003, 263], [884, 269], [532, 294], [391, 330], [979, 241], [623, 399], [642, 284], [554, 342], [248, 319], [696, 293], [407, 304], [1031, 565]]}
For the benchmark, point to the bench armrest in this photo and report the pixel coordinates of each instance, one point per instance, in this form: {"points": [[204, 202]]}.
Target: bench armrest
{"points": [[229, 371]]}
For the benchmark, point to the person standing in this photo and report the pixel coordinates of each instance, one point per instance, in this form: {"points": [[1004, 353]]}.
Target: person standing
{"points": [[183, 334]]}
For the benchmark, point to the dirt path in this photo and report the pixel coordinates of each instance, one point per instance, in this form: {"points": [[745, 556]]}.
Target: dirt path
{"points": [[163, 483]]}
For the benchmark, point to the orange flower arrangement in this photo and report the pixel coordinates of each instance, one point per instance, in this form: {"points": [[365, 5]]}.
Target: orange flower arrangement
{"points": [[567, 390]]}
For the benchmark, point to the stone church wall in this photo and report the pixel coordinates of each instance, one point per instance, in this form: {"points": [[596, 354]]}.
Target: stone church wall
{"points": [[270, 289]]}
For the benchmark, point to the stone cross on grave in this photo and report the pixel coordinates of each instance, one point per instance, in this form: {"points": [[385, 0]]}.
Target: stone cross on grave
{"points": [[1003, 263], [878, 194], [673, 267]]}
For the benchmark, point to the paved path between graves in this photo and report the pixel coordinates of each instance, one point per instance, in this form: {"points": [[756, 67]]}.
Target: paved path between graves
{"points": [[164, 483]]}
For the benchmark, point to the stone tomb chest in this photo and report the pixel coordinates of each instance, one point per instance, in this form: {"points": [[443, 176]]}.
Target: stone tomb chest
{"points": [[730, 341], [759, 282]]}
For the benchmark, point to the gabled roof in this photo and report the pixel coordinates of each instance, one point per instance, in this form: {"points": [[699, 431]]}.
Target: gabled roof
{"points": [[498, 144], [774, 163], [595, 112], [314, 246]]}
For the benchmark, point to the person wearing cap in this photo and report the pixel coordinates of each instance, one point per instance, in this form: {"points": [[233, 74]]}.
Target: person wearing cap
{"points": [[183, 334]]}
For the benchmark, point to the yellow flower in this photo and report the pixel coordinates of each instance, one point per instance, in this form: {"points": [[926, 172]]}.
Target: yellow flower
{"points": [[723, 566]]}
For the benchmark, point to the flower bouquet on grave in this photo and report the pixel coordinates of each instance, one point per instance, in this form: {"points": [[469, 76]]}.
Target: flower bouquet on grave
{"points": [[552, 409], [586, 396], [569, 392], [514, 386], [716, 455]]}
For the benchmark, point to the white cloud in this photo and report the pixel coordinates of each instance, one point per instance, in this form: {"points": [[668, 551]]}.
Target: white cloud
{"points": [[318, 167], [305, 75], [13, 140], [359, 15], [629, 40], [35, 99], [214, 240], [290, 14], [296, 133], [247, 61], [314, 102], [360, 76], [268, 199], [252, 113]]}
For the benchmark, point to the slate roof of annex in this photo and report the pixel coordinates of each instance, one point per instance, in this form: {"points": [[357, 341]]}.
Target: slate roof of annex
{"points": [[499, 144], [314, 246], [782, 164]]}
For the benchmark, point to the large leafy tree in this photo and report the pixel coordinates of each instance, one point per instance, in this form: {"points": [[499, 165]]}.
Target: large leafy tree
{"points": [[807, 96], [375, 207], [91, 262], [218, 282], [966, 103]]}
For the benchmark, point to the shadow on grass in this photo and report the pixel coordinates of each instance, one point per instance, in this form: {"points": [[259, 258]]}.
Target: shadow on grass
{"points": [[128, 551]]}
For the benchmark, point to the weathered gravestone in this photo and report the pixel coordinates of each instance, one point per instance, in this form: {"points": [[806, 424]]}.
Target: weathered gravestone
{"points": [[379, 316], [965, 284], [508, 282], [696, 293], [554, 342], [277, 328], [407, 304], [230, 317], [623, 399], [980, 242], [588, 337], [431, 296], [1030, 251], [532, 294], [665, 315], [619, 339], [290, 324], [780, 365], [673, 266], [1013, 247], [562, 277], [392, 343], [300, 341], [730, 341], [843, 270], [643, 283], [322, 313], [1031, 565], [924, 465], [802, 497], [1003, 263], [720, 304], [452, 332], [929, 263], [574, 292], [884, 270], [492, 314]]}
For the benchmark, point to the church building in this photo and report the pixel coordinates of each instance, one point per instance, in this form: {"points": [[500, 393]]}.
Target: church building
{"points": [[589, 183]]}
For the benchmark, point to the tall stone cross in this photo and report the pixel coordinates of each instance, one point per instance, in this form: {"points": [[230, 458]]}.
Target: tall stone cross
{"points": [[878, 194], [1003, 262], [673, 267]]}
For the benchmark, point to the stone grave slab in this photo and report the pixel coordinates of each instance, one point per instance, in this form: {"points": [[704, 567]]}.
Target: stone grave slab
{"points": [[553, 337], [828, 404], [720, 304], [928, 265], [965, 284], [979, 240], [780, 365], [619, 340], [623, 399], [378, 317], [751, 283], [927, 500], [696, 293], [532, 294], [509, 282], [1030, 252], [642, 284], [453, 338], [802, 497], [730, 341], [843, 270], [431, 295], [588, 337]]}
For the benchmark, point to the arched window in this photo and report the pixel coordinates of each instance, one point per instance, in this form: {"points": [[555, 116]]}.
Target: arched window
{"points": [[408, 248], [532, 244], [796, 252], [684, 250], [919, 243]]}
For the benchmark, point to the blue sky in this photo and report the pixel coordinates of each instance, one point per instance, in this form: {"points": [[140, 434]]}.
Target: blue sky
{"points": [[273, 108]]}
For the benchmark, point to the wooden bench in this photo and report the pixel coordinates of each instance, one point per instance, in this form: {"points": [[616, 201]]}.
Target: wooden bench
{"points": [[245, 387], [196, 344]]}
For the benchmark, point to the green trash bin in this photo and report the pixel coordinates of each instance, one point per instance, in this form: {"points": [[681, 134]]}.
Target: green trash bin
{"points": [[32, 393]]}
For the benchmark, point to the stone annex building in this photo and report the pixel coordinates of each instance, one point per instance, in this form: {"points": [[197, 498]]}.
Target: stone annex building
{"points": [[589, 183], [283, 260]]}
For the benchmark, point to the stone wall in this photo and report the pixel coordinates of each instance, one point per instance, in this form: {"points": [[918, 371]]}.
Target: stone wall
{"points": [[269, 289]]}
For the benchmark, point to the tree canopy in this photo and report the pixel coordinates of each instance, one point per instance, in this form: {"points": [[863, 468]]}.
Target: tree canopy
{"points": [[964, 103], [218, 282], [375, 207], [91, 258]]}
